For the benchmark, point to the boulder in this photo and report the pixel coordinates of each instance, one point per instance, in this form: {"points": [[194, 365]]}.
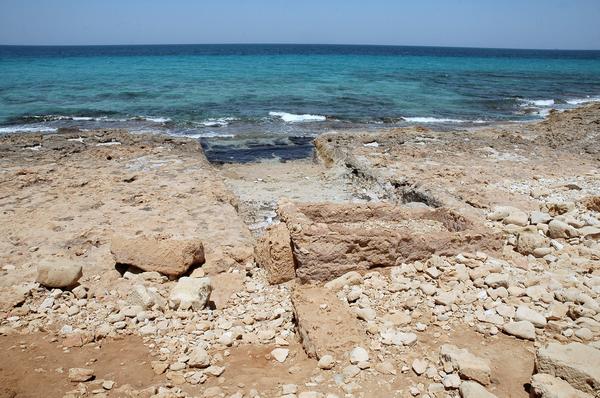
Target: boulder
{"points": [[167, 256], [529, 240], [525, 313], [560, 229], [539, 217], [58, 273], [190, 293], [577, 363], [522, 329], [140, 296], [469, 366], [547, 386], [325, 324], [471, 389], [199, 358], [273, 252]]}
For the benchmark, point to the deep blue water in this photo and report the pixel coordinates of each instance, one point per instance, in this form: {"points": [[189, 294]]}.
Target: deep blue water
{"points": [[257, 92]]}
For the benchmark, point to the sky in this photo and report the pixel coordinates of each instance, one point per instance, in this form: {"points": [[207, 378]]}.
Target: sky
{"points": [[543, 24]]}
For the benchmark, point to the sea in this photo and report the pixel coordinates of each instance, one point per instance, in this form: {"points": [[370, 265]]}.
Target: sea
{"points": [[249, 102]]}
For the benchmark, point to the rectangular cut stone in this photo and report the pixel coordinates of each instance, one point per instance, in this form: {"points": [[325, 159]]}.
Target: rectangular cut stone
{"points": [[167, 256], [325, 324], [329, 240]]}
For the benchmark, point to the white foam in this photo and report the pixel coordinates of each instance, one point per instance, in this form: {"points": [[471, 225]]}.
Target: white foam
{"points": [[580, 101], [110, 143], [433, 120], [217, 122], [27, 129], [208, 134], [155, 119], [538, 102], [293, 118]]}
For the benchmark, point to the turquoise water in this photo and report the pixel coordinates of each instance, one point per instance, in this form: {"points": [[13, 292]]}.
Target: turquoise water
{"points": [[242, 91]]}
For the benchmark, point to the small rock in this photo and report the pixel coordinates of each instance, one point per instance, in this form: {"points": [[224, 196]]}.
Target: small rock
{"points": [[419, 366], [199, 358], [280, 354], [80, 374], [358, 354], [326, 362], [190, 293], [451, 381]]}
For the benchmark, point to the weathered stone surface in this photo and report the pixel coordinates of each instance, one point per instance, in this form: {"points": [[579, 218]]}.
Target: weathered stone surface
{"points": [[548, 386], [58, 273], [529, 240], [341, 331], [331, 239], [577, 363], [190, 293], [521, 329], [273, 252], [471, 389], [468, 365], [169, 257]]}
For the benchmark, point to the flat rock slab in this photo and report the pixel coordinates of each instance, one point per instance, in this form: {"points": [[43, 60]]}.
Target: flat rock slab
{"points": [[577, 363], [548, 386], [469, 366], [325, 324], [330, 240], [168, 257], [273, 252]]}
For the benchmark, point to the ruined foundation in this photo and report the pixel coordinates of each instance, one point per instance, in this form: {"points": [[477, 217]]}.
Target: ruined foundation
{"points": [[329, 240]]}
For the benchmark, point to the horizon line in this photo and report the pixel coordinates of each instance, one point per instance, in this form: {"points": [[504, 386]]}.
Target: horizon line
{"points": [[294, 44]]}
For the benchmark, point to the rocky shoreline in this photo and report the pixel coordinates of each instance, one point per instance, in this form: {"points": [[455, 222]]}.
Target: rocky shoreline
{"points": [[403, 263]]}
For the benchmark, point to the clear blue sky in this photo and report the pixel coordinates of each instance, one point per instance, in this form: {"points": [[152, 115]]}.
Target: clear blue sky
{"points": [[566, 24]]}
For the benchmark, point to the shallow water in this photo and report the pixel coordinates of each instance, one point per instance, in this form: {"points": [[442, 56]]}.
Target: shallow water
{"points": [[243, 93]]}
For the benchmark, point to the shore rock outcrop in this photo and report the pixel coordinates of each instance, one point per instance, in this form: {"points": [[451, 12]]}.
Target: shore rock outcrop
{"points": [[168, 257]]}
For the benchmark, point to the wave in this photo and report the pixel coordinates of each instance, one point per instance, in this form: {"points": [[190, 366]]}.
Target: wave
{"points": [[217, 122], [294, 118], [436, 120], [155, 119], [208, 134], [539, 102], [580, 101], [27, 129]]}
